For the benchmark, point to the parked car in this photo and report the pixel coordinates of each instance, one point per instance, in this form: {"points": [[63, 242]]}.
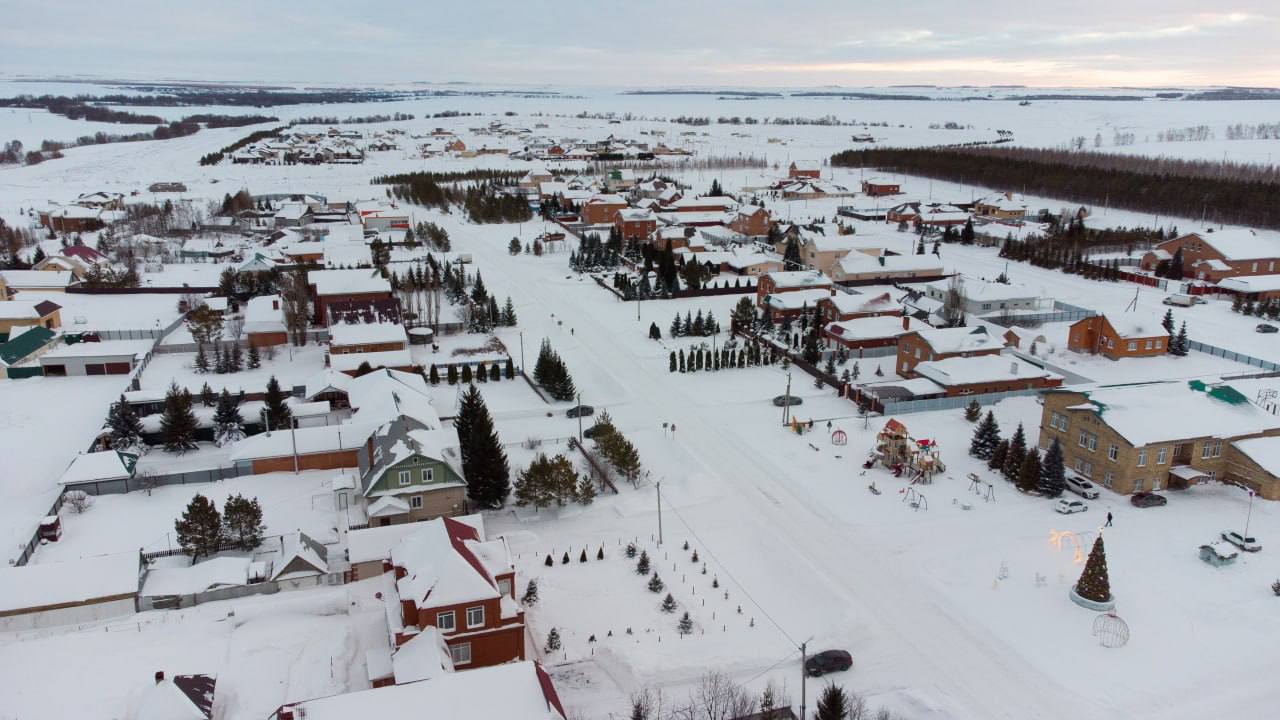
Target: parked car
{"points": [[1147, 499], [580, 411], [1241, 541], [1266, 328], [828, 661], [590, 432], [1179, 300], [787, 400], [1082, 487], [1067, 506]]}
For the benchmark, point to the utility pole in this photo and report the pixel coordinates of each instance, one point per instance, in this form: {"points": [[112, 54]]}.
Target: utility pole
{"points": [[786, 401], [659, 486], [521, 351], [1248, 517], [579, 411], [804, 675]]}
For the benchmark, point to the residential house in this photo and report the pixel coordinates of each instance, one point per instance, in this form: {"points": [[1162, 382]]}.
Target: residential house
{"points": [[206, 249], [414, 474], [870, 332], [635, 224], [345, 286], [600, 209], [1004, 207], [382, 215], [822, 246], [326, 447], [852, 306], [1169, 434], [708, 204], [1217, 255], [264, 321], [75, 259], [100, 471], [805, 169], [1119, 336], [788, 281], [1253, 287], [982, 297], [805, 189], [43, 281], [943, 343], [72, 218], [21, 313], [450, 577], [878, 186], [987, 373], [859, 268], [750, 220], [516, 691], [182, 697]]}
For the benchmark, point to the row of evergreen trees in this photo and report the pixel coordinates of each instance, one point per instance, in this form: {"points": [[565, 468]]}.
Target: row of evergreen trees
{"points": [[178, 422], [485, 313], [487, 203], [430, 233], [202, 531], [1269, 309], [552, 374], [594, 255], [694, 325], [1012, 458], [492, 372], [616, 449], [227, 359], [553, 480], [700, 357]]}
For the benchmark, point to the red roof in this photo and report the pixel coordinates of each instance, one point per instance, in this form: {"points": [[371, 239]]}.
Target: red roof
{"points": [[458, 534], [548, 689], [83, 252]]}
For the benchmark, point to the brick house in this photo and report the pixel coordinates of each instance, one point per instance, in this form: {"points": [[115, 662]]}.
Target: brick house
{"points": [[327, 447], [448, 576], [985, 374], [1121, 337], [1151, 436], [600, 209], [777, 283], [1254, 287], [1001, 206], [750, 220], [347, 338], [707, 204], [329, 287], [72, 219], [635, 223], [846, 306], [876, 187], [870, 332], [414, 474], [805, 169], [943, 343], [860, 268], [1216, 255]]}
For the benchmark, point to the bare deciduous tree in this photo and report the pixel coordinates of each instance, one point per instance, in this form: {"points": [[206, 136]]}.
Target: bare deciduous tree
{"points": [[77, 500]]}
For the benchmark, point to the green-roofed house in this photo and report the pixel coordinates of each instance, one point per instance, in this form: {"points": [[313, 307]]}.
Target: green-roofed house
{"points": [[18, 354], [1163, 435], [413, 474]]}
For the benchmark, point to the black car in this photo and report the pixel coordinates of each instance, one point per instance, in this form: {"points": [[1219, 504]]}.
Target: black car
{"points": [[827, 661], [590, 432], [1147, 499], [580, 411], [787, 400], [1267, 329]]}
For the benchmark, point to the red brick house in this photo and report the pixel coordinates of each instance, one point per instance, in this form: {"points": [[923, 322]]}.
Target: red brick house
{"points": [[1216, 255], [870, 332], [844, 306], [804, 169], [330, 287], [876, 187], [72, 218], [750, 220], [1119, 337], [600, 209], [777, 283], [941, 344], [447, 576], [635, 223], [986, 374]]}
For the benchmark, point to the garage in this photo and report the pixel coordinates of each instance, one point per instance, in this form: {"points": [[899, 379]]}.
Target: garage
{"points": [[110, 357]]}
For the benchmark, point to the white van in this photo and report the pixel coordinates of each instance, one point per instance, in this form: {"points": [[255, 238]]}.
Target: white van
{"points": [[1180, 300]]}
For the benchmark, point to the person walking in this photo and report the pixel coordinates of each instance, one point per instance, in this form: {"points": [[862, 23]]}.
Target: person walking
{"points": [[1108, 519]]}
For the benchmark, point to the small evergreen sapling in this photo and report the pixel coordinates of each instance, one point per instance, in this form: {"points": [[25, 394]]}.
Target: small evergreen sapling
{"points": [[973, 411], [530, 597], [553, 641], [631, 550], [642, 567], [685, 625], [565, 559], [582, 557], [655, 584], [668, 604], [600, 553], [549, 562]]}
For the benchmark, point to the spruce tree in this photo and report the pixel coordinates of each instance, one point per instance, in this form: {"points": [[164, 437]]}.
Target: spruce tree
{"points": [[433, 376], [671, 364], [467, 377], [452, 376], [1052, 471], [484, 462], [998, 455], [553, 641], [242, 521], [833, 704], [255, 360], [685, 626], [510, 370], [642, 565], [985, 437], [1016, 454], [277, 412], [207, 398], [1180, 343], [669, 604], [227, 423], [1095, 583], [236, 363], [1029, 473], [586, 492], [199, 529], [973, 411], [655, 584], [202, 360], [654, 332], [509, 314], [126, 428], [495, 373], [530, 596], [178, 423]]}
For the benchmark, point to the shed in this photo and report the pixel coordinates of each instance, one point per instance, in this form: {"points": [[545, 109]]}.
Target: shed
{"points": [[110, 357]]}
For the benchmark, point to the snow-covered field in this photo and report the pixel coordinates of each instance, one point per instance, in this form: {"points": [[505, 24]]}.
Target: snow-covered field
{"points": [[948, 612]]}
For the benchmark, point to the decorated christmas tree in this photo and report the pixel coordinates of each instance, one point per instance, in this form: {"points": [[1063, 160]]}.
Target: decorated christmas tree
{"points": [[1094, 582]]}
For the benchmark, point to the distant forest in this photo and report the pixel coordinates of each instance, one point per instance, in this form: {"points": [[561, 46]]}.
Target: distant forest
{"points": [[1231, 193]]}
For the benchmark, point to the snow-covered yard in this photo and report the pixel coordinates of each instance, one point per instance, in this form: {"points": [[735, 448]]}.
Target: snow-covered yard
{"points": [[290, 366]]}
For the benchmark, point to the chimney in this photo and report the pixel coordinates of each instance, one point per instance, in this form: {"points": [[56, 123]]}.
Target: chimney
{"points": [[275, 304], [906, 321], [159, 676]]}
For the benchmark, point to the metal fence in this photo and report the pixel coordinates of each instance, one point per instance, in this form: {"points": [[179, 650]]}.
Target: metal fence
{"points": [[34, 542], [902, 407], [1062, 312], [148, 481], [269, 587], [1232, 355]]}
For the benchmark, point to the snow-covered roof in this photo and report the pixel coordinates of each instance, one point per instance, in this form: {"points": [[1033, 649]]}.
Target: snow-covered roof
{"points": [[375, 543], [264, 314], [20, 310], [186, 579], [385, 394], [514, 691], [183, 697], [299, 556], [101, 465], [720, 201], [424, 657], [855, 303], [981, 369], [976, 289], [37, 278], [636, 215], [38, 585], [1131, 325], [349, 255], [347, 282], [280, 443], [947, 341], [1242, 244], [441, 566], [1244, 283], [1265, 451], [365, 333], [784, 280], [809, 165], [1008, 202], [856, 263], [872, 328], [1144, 413], [325, 380], [105, 348], [796, 299]]}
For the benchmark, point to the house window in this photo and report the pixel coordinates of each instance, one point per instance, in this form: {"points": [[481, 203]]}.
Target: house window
{"points": [[1149, 344], [1112, 453], [1254, 268], [1088, 440], [1142, 457], [1108, 480], [429, 475], [444, 621], [1159, 344], [1213, 475], [1161, 454], [460, 653], [1084, 438], [475, 616], [504, 586], [905, 366], [415, 502], [404, 477], [1155, 484], [1084, 468], [1133, 345], [1137, 485], [1111, 344], [986, 306]]}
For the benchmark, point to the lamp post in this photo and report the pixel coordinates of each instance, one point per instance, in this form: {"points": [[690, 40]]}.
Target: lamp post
{"points": [[1248, 516]]}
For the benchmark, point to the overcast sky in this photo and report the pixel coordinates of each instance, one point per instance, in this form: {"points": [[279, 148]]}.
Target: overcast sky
{"points": [[654, 43]]}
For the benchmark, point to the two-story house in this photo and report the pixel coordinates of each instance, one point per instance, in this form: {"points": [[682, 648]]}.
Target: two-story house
{"points": [[1118, 336], [942, 343], [1216, 255], [414, 474]]}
